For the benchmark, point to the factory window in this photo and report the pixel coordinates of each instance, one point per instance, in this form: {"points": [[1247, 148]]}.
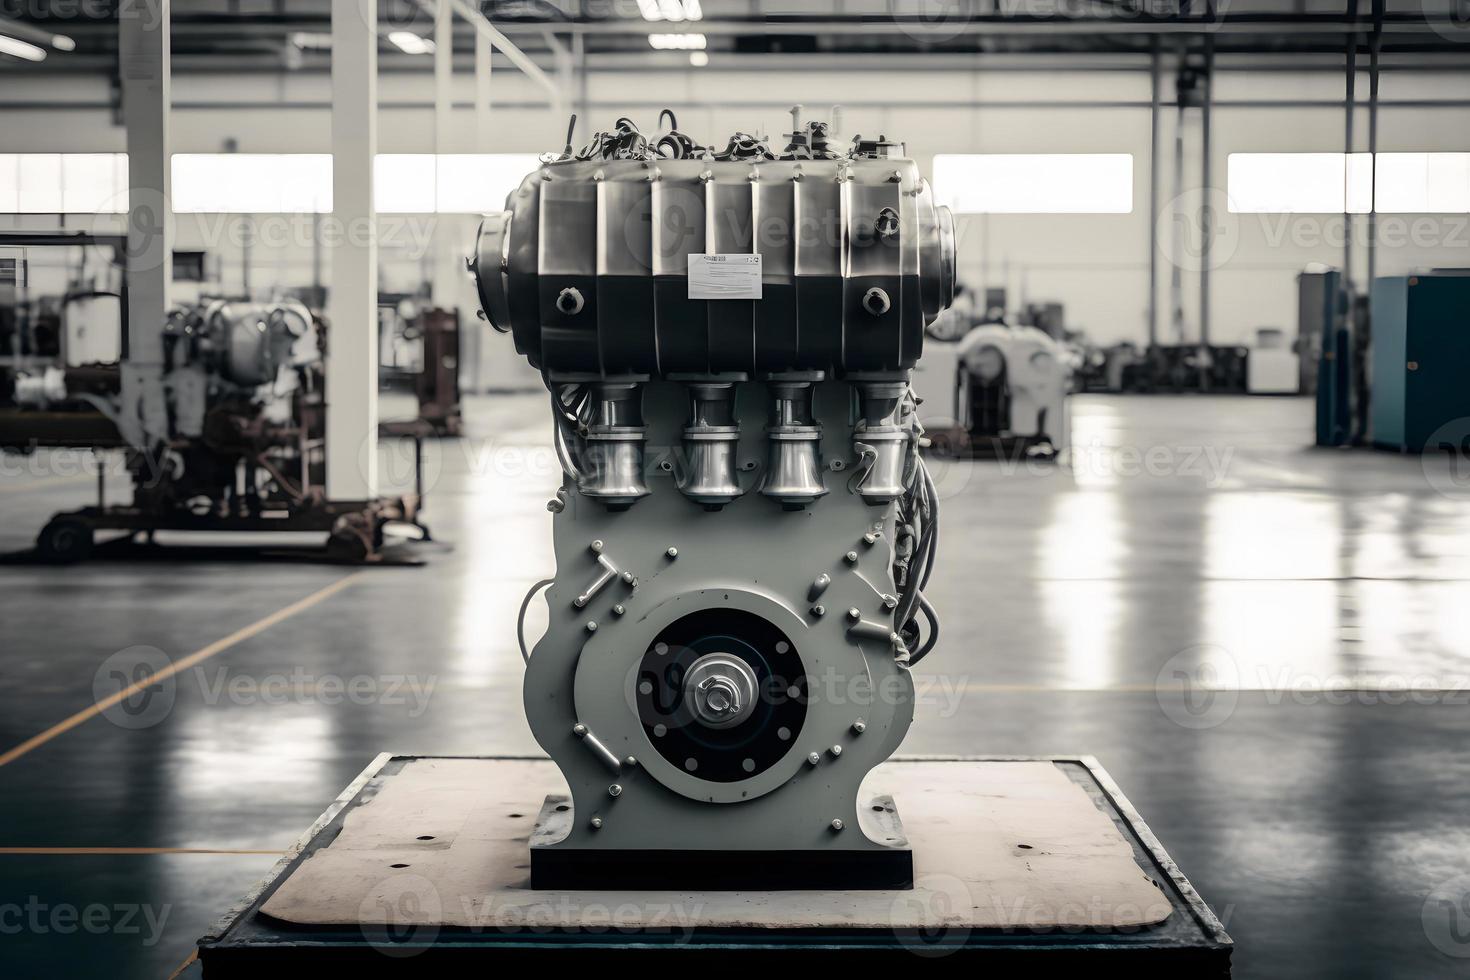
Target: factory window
{"points": [[63, 183], [451, 183], [1035, 183], [261, 183], [1336, 182], [252, 183]]}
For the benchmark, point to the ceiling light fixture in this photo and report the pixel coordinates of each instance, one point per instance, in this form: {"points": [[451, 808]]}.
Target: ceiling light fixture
{"points": [[21, 49], [673, 11], [410, 43], [677, 42]]}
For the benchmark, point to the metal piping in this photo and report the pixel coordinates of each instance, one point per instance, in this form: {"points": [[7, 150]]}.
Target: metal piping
{"points": [[508, 48]]}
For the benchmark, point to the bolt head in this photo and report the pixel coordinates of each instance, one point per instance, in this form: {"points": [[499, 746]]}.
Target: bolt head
{"points": [[819, 610], [596, 823], [813, 758], [859, 726], [890, 602], [836, 824], [672, 552], [854, 614], [836, 751], [618, 610], [630, 761], [851, 557], [615, 790], [592, 626], [579, 730], [597, 546]]}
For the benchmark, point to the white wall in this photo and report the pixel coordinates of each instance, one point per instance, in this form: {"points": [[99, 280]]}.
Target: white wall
{"points": [[1096, 264]]}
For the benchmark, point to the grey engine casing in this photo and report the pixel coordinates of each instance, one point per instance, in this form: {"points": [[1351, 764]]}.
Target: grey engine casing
{"points": [[711, 532]]}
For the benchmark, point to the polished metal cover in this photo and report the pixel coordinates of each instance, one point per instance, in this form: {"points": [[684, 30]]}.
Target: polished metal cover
{"points": [[588, 265]]}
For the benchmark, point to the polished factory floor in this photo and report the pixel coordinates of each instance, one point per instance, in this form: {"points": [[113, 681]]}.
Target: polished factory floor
{"points": [[1207, 606]]}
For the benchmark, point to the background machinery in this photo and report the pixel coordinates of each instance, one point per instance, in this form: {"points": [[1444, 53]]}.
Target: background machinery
{"points": [[997, 392], [231, 438]]}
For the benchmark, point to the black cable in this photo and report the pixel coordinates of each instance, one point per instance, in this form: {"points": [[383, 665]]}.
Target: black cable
{"points": [[933, 619]]}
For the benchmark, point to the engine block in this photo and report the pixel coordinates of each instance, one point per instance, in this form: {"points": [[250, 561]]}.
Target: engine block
{"points": [[745, 523]]}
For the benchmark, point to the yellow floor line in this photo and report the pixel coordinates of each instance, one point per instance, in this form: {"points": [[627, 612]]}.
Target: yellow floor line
{"points": [[218, 646], [131, 850], [188, 962]]}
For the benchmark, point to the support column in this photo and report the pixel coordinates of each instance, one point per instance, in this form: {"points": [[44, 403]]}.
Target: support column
{"points": [[143, 62], [1155, 158], [484, 142], [352, 343], [443, 75], [1207, 210]]}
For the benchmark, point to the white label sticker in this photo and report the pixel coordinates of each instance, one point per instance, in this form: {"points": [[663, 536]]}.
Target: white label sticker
{"points": [[724, 277]]}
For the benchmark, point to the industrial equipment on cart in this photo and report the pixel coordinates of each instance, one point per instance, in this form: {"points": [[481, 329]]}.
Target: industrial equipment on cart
{"points": [[230, 435]]}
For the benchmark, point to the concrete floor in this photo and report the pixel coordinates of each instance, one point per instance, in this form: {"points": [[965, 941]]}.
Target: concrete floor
{"points": [[1210, 608]]}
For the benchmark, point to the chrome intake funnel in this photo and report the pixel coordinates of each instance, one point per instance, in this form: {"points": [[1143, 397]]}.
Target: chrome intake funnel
{"points": [[706, 473], [612, 457], [794, 474]]}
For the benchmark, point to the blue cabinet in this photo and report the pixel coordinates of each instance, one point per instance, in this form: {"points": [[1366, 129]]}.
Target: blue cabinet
{"points": [[1421, 357]]}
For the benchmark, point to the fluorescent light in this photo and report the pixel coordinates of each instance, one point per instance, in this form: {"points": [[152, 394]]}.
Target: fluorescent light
{"points": [[673, 11], [410, 43], [20, 49], [677, 42], [698, 59]]}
